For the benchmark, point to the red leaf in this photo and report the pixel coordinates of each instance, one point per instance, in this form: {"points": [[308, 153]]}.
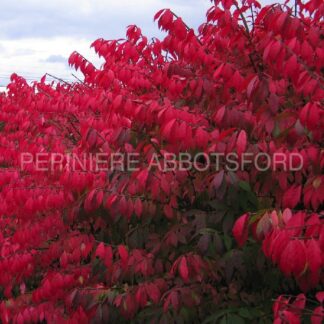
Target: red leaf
{"points": [[109, 201], [175, 300], [295, 224], [168, 211], [201, 137], [241, 142], [293, 258], [318, 315], [290, 317], [218, 179], [240, 229], [100, 251], [108, 256], [179, 29], [218, 71], [123, 253], [183, 269], [314, 255], [219, 115], [92, 137], [274, 51], [64, 260], [252, 85], [154, 292], [141, 296], [278, 241], [117, 102], [158, 14], [291, 196], [299, 302], [280, 21], [142, 177], [167, 129], [138, 207], [320, 296]]}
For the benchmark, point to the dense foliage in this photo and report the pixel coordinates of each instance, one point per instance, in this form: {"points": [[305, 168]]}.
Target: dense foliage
{"points": [[158, 246]]}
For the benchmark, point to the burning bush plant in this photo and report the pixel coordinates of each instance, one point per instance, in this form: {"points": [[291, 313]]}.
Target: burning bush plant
{"points": [[171, 244]]}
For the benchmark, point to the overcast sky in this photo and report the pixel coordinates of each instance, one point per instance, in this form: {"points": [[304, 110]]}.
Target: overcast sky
{"points": [[37, 36]]}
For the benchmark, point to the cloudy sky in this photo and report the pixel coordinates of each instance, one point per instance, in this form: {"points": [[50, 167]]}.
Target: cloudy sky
{"points": [[37, 36]]}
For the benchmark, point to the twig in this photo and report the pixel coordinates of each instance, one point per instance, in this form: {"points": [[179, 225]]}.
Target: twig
{"points": [[80, 81], [54, 77], [295, 8], [252, 15], [243, 20], [248, 35]]}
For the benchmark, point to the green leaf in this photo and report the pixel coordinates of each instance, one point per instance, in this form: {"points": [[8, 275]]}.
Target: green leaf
{"points": [[245, 186], [234, 319], [228, 242], [207, 230], [215, 316], [252, 198], [244, 312], [223, 320]]}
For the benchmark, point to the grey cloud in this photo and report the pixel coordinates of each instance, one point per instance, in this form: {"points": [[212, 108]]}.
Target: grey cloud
{"points": [[56, 59], [34, 18], [73, 21]]}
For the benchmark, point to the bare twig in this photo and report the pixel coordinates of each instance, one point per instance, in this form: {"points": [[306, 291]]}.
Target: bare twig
{"points": [[80, 81], [295, 8], [54, 77]]}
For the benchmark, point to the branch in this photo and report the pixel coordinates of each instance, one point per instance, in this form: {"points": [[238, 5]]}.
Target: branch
{"points": [[59, 79]]}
